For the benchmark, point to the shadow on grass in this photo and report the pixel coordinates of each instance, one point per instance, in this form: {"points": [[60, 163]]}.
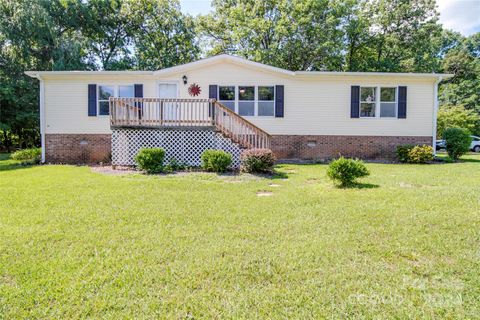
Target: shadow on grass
{"points": [[272, 175], [359, 185]]}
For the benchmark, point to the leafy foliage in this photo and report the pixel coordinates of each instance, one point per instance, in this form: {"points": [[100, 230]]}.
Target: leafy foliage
{"points": [[463, 60], [257, 160], [32, 155], [345, 171], [81, 35], [415, 154], [459, 117], [457, 142], [150, 160], [403, 152], [216, 160], [174, 165]]}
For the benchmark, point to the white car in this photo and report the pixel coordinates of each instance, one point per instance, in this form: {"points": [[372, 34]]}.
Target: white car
{"points": [[475, 145]]}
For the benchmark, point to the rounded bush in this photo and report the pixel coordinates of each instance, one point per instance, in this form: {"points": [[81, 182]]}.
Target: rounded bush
{"points": [[216, 160], [257, 160], [150, 160], [346, 171], [33, 155], [421, 154], [457, 142], [414, 154]]}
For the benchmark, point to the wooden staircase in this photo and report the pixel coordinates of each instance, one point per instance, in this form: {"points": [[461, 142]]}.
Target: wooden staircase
{"points": [[185, 114]]}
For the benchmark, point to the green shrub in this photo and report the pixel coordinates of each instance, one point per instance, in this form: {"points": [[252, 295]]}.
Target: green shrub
{"points": [[150, 159], [345, 171], [403, 152], [216, 160], [174, 165], [414, 154], [457, 142], [257, 160], [421, 154], [32, 155]]}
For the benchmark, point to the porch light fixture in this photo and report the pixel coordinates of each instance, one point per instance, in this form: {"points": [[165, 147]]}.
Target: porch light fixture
{"points": [[184, 79]]}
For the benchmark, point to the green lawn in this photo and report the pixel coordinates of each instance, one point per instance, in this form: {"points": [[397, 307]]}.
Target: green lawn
{"points": [[80, 244]]}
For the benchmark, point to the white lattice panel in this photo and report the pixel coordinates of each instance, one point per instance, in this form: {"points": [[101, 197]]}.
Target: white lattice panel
{"points": [[184, 145]]}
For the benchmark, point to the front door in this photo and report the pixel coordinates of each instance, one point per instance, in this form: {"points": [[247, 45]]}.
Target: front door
{"points": [[170, 109]]}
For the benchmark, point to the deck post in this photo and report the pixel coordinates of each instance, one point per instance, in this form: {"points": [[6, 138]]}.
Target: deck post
{"points": [[161, 113]]}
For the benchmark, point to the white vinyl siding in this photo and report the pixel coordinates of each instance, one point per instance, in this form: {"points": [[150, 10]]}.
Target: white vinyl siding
{"points": [[314, 105]]}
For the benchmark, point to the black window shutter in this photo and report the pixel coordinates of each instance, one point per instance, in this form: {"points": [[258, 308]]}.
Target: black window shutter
{"points": [[355, 102], [402, 102], [138, 90], [138, 93], [212, 94], [213, 91], [279, 101], [92, 100]]}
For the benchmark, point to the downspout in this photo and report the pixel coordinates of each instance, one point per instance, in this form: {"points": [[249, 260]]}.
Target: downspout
{"points": [[435, 111], [42, 115]]}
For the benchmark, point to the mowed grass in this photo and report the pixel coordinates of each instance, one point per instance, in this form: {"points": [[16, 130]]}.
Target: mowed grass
{"points": [[80, 244]]}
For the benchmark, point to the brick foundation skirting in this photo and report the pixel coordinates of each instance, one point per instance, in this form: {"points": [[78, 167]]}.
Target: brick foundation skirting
{"points": [[94, 148], [78, 148], [328, 147]]}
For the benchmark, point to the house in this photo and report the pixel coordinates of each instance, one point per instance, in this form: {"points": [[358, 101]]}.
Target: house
{"points": [[231, 103]]}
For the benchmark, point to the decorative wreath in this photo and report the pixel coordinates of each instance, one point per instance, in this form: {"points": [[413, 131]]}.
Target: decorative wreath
{"points": [[194, 90]]}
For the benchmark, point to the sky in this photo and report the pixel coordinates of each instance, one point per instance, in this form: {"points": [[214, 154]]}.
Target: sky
{"points": [[460, 15]]}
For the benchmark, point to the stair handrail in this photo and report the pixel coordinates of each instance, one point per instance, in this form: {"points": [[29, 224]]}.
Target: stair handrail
{"points": [[239, 129]]}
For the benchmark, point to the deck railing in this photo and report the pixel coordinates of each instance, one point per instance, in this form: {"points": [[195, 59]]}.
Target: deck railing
{"points": [[238, 128], [156, 112]]}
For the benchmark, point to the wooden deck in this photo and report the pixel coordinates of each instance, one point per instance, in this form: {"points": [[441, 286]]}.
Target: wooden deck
{"points": [[186, 113]]}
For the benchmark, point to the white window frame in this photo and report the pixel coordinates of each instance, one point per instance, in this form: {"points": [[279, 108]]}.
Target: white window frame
{"points": [[116, 90], [380, 101], [377, 101], [256, 101], [235, 100]]}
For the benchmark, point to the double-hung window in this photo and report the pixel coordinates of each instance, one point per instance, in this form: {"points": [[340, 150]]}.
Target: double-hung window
{"points": [[388, 102], [368, 99], [107, 91], [266, 101], [226, 96], [248, 100], [378, 102], [104, 92]]}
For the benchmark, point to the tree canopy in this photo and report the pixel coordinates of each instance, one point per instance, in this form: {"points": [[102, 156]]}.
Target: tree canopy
{"points": [[336, 35]]}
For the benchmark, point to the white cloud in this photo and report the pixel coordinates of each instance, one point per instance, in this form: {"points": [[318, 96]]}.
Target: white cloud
{"points": [[460, 15]]}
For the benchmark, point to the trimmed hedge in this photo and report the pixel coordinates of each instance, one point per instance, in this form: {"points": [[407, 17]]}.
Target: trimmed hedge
{"points": [[216, 160], [414, 154], [257, 160], [150, 160], [345, 171]]}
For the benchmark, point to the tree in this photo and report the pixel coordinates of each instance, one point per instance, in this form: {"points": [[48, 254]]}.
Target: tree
{"points": [[393, 36], [291, 34], [34, 35], [457, 116], [163, 36], [463, 61]]}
